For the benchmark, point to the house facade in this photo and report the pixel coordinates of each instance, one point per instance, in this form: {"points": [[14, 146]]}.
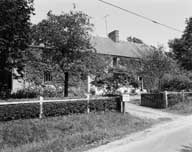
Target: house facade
{"points": [[109, 46], [120, 51]]}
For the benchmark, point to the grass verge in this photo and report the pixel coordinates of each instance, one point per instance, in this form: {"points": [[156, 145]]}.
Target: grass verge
{"points": [[68, 133], [183, 108]]}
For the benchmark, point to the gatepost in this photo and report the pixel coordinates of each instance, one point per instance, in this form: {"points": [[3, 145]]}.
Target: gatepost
{"points": [[126, 98], [41, 107]]}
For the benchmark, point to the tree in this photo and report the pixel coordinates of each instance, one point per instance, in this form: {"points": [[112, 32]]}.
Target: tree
{"points": [[155, 65], [176, 82], [182, 47], [123, 74], [68, 36], [134, 40], [14, 34]]}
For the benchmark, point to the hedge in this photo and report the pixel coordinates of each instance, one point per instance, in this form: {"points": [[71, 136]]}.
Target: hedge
{"points": [[51, 109], [19, 111], [112, 104], [64, 108]]}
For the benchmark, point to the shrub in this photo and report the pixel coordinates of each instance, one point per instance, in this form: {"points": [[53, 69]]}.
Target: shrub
{"points": [[49, 91], [19, 111], [34, 92], [92, 91], [111, 104], [77, 92], [25, 93], [23, 132], [4, 91], [176, 83], [64, 108]]}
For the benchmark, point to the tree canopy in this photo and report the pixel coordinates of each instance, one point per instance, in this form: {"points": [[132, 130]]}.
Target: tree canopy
{"points": [[155, 65], [68, 38], [134, 40], [182, 47], [14, 32], [14, 39]]}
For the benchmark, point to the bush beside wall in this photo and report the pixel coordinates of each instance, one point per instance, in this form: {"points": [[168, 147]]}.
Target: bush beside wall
{"points": [[25, 93], [51, 109], [176, 83]]}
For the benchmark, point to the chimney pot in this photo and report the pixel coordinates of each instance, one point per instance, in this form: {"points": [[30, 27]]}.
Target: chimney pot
{"points": [[114, 35]]}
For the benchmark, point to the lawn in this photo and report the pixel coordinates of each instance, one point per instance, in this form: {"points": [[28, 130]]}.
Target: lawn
{"points": [[73, 133]]}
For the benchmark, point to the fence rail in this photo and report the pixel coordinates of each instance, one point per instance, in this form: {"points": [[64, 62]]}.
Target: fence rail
{"points": [[41, 102], [182, 93], [47, 101], [161, 100]]}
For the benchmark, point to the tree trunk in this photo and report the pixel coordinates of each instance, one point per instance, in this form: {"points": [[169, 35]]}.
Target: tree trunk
{"points": [[66, 84]]}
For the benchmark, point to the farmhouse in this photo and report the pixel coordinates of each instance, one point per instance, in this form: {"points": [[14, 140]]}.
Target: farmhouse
{"points": [[118, 50], [110, 46]]}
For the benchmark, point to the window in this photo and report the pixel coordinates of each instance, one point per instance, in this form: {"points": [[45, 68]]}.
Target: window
{"points": [[47, 76]]}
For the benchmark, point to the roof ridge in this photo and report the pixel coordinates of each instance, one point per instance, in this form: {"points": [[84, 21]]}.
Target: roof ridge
{"points": [[104, 45]]}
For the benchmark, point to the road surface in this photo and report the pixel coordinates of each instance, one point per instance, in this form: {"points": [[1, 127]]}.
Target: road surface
{"points": [[167, 137]]}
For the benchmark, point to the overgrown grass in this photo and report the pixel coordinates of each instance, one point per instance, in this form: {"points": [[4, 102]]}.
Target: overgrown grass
{"points": [[68, 133], [184, 108]]}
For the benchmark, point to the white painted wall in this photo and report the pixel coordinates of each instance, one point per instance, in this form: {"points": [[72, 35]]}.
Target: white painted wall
{"points": [[17, 85]]}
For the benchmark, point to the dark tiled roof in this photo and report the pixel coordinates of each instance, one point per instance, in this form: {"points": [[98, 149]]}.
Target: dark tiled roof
{"points": [[126, 49]]}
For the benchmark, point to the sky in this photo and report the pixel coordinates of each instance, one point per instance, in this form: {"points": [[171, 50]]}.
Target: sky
{"points": [[170, 12]]}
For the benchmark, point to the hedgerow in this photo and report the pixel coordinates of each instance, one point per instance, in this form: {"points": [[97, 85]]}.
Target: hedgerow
{"points": [[112, 104], [19, 111], [64, 108], [52, 109]]}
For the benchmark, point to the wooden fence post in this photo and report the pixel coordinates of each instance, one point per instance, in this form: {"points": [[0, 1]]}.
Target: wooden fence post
{"points": [[88, 101], [166, 99], [122, 107], [183, 96], [41, 108]]}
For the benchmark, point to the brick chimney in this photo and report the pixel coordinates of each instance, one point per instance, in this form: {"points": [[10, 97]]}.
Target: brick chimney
{"points": [[114, 35]]}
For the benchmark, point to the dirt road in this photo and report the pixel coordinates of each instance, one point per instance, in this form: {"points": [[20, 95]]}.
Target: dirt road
{"points": [[149, 113], [166, 137]]}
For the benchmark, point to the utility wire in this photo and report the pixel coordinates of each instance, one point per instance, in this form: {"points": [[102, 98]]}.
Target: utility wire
{"points": [[141, 16]]}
